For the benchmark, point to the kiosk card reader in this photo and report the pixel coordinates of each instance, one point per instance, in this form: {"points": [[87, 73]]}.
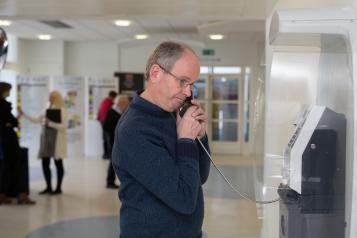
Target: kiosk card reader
{"points": [[313, 190]]}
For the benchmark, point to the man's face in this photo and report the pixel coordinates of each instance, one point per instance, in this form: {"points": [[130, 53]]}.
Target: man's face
{"points": [[172, 93]]}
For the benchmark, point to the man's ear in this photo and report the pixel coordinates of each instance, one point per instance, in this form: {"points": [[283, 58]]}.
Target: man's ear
{"points": [[155, 73]]}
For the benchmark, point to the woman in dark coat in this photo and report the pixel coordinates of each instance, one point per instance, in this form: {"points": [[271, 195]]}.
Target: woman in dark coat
{"points": [[10, 148]]}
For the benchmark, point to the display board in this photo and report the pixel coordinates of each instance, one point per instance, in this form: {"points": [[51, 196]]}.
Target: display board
{"points": [[98, 89], [73, 91], [32, 97]]}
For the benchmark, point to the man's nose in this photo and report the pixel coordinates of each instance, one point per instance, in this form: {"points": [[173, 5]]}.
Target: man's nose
{"points": [[187, 91]]}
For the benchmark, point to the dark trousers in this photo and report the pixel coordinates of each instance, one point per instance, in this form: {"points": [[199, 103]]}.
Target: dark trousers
{"points": [[14, 174], [1, 167], [1, 176], [47, 172], [106, 143], [110, 174]]}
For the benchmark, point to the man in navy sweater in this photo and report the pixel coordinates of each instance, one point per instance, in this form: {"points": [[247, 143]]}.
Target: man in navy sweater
{"points": [[159, 163]]}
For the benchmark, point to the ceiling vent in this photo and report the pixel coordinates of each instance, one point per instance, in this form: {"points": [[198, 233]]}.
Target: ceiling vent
{"points": [[56, 24]]}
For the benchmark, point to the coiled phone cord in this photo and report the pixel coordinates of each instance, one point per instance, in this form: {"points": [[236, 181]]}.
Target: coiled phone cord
{"points": [[243, 195]]}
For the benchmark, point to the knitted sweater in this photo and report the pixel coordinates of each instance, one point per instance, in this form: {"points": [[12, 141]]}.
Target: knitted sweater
{"points": [[160, 175]]}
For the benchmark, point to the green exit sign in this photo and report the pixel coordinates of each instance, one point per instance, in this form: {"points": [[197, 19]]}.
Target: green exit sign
{"points": [[208, 52]]}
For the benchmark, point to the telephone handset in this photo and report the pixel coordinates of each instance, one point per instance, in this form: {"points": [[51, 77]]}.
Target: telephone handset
{"points": [[187, 103]]}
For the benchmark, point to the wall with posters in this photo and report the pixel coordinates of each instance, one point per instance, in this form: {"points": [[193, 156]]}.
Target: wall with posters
{"points": [[72, 89], [82, 97]]}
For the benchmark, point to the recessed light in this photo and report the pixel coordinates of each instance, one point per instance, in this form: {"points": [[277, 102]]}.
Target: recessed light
{"points": [[141, 37], [44, 37], [122, 22], [216, 37], [5, 23]]}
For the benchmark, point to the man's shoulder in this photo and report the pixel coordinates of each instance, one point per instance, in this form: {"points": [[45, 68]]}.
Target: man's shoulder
{"points": [[132, 117], [137, 122]]}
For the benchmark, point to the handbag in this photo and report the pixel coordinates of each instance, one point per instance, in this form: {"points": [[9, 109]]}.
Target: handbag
{"points": [[47, 142]]}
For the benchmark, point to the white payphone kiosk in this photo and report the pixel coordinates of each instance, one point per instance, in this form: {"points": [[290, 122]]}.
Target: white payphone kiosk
{"points": [[313, 189]]}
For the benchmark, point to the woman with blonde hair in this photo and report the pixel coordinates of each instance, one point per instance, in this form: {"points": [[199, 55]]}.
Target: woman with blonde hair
{"points": [[53, 135]]}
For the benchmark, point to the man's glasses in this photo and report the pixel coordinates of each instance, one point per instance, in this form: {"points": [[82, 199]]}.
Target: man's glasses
{"points": [[183, 82]]}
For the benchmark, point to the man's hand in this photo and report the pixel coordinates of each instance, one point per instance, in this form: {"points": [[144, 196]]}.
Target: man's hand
{"points": [[188, 126], [201, 117]]}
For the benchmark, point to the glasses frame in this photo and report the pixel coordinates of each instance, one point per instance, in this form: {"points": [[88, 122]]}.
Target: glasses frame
{"points": [[183, 83]]}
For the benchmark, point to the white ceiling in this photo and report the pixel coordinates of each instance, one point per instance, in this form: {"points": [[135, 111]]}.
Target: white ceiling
{"points": [[168, 19]]}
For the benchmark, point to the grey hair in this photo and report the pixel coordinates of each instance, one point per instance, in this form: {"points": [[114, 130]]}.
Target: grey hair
{"points": [[166, 55]]}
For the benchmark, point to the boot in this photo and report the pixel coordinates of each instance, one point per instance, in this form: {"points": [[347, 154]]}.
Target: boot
{"points": [[46, 191], [4, 199], [24, 199], [57, 191]]}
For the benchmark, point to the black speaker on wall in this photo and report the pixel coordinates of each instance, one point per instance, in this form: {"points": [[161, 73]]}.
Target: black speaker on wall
{"points": [[130, 83]]}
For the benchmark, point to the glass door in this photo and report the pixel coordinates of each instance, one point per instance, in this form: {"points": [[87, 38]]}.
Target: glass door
{"points": [[224, 94], [224, 113]]}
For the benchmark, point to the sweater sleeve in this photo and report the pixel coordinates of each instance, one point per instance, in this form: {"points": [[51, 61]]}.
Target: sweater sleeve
{"points": [[175, 181], [204, 161]]}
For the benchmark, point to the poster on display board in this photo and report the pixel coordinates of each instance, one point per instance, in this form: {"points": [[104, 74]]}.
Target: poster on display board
{"points": [[98, 89], [72, 90], [32, 98]]}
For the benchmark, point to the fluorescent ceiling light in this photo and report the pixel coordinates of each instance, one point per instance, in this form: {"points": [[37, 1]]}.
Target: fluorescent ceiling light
{"points": [[5, 23], [44, 37], [216, 37], [122, 22], [141, 37]]}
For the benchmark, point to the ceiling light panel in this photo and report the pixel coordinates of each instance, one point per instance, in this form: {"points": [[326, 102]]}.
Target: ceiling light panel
{"points": [[216, 37], [122, 22], [5, 23], [44, 37], [141, 36]]}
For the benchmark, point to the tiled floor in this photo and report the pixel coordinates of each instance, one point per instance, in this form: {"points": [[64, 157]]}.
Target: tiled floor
{"points": [[87, 208]]}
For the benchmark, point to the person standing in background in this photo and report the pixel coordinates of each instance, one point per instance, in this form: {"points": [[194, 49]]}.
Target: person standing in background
{"points": [[11, 164], [3, 198], [121, 102], [105, 105], [60, 146]]}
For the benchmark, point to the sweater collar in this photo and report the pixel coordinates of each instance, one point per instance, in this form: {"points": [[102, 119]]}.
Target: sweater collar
{"points": [[146, 106]]}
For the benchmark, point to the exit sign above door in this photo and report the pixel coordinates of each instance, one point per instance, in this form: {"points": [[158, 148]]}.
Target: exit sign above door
{"points": [[208, 52]]}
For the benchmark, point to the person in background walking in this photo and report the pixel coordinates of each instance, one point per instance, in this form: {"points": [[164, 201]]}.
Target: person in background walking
{"points": [[121, 102], [105, 105]]}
